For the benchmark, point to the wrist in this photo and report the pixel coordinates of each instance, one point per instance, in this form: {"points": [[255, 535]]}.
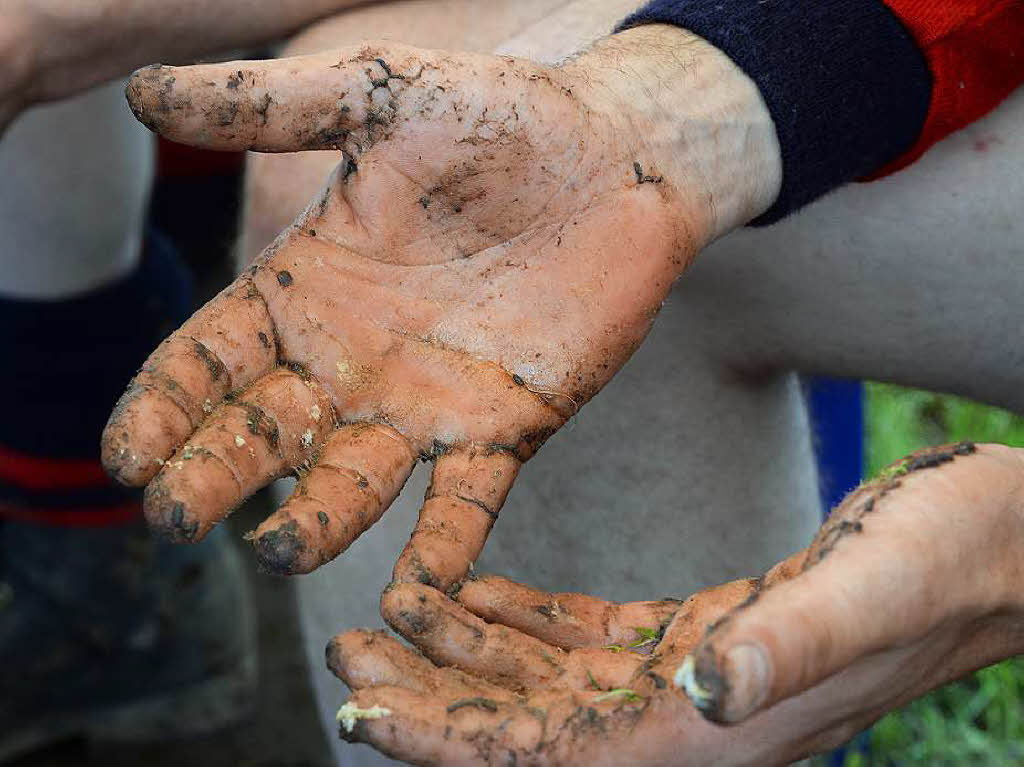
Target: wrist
{"points": [[696, 113]]}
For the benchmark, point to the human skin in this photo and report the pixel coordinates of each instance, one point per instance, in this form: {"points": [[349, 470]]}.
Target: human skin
{"points": [[894, 352], [844, 288], [279, 186], [912, 582], [52, 49], [472, 185]]}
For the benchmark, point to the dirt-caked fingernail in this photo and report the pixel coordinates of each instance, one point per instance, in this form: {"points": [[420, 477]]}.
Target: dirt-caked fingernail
{"points": [[748, 680], [729, 691]]}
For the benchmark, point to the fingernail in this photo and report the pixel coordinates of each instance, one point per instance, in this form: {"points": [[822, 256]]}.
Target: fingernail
{"points": [[728, 692], [686, 678], [749, 678]]}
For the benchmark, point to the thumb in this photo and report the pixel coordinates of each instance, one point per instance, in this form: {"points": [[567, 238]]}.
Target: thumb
{"points": [[884, 571], [293, 104]]}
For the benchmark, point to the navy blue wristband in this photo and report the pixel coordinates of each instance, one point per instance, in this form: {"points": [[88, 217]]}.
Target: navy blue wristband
{"points": [[847, 87], [67, 361]]}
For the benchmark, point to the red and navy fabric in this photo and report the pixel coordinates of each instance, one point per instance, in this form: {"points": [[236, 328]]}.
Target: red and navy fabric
{"points": [[975, 51], [859, 88], [67, 362]]}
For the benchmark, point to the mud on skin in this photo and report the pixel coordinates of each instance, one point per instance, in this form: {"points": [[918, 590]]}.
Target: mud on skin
{"points": [[450, 332], [847, 519], [277, 550]]}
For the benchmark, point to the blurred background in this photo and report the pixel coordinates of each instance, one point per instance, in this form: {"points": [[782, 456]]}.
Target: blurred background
{"points": [[190, 227]]}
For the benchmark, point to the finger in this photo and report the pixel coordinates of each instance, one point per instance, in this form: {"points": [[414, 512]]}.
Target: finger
{"points": [[702, 612], [542, 729], [419, 728], [565, 619], [786, 570], [291, 104], [364, 658], [467, 490], [884, 571], [450, 635], [268, 430], [357, 474], [225, 346]]}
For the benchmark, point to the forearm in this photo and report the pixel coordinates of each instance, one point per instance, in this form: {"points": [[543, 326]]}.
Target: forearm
{"points": [[58, 47]]}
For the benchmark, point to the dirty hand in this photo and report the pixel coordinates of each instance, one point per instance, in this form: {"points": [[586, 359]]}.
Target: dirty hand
{"points": [[493, 248], [914, 581], [561, 679]]}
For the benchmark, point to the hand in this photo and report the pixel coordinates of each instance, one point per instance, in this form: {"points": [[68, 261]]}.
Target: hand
{"points": [[579, 682], [914, 581], [492, 250]]}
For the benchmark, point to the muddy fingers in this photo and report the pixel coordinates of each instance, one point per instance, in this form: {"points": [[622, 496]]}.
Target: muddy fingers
{"points": [[655, 636], [705, 609], [467, 490], [226, 345], [443, 283], [567, 620], [450, 635], [364, 658], [878, 615], [262, 434], [358, 473], [273, 106], [538, 729], [420, 728]]}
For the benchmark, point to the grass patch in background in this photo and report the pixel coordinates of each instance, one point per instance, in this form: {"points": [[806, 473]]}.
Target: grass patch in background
{"points": [[980, 719]]}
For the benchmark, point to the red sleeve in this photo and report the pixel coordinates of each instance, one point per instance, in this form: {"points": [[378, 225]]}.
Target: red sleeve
{"points": [[975, 50]]}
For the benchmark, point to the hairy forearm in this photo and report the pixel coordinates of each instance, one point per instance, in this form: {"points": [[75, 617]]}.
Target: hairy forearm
{"points": [[704, 118], [58, 47]]}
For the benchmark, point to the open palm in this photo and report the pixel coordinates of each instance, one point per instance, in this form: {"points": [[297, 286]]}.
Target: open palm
{"points": [[492, 249], [884, 605]]}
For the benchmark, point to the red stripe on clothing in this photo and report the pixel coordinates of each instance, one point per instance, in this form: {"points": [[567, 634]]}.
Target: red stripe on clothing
{"points": [[975, 50], [84, 517], [34, 473], [180, 161]]}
